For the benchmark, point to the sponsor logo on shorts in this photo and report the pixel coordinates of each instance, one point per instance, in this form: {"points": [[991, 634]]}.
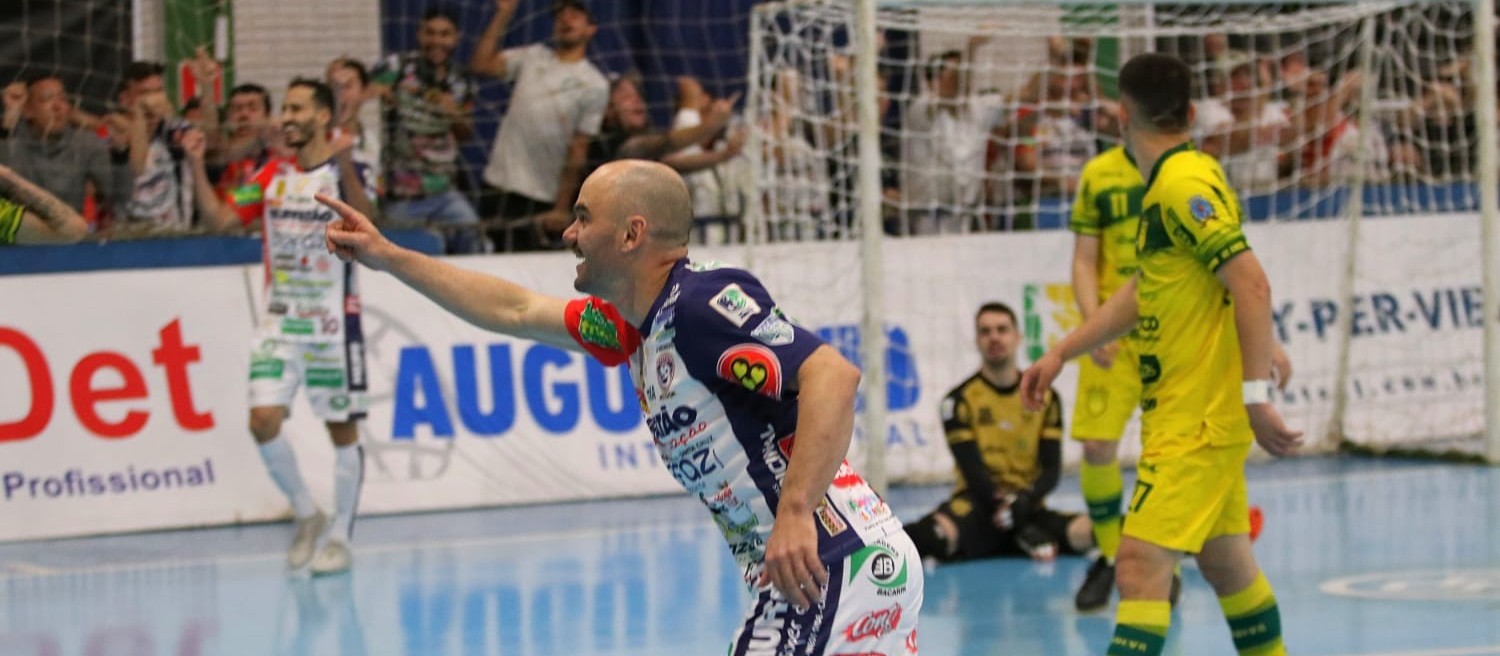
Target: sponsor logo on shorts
{"points": [[356, 364], [830, 519], [874, 624], [778, 630], [869, 507], [333, 378], [846, 477], [266, 368], [882, 567], [1150, 369], [297, 326]]}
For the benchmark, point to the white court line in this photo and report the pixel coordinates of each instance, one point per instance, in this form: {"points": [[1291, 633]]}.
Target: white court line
{"points": [[24, 569], [1460, 651], [19, 569], [27, 569]]}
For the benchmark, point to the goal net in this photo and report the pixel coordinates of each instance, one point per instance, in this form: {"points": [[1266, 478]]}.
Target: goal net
{"points": [[1347, 128]]}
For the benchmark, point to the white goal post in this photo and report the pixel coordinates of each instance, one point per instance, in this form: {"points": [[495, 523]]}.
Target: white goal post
{"points": [[1367, 120]]}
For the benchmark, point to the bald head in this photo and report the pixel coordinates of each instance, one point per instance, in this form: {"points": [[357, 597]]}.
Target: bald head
{"points": [[652, 190]]}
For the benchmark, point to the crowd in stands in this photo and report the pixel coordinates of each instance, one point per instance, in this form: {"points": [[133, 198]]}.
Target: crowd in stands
{"points": [[956, 156]]}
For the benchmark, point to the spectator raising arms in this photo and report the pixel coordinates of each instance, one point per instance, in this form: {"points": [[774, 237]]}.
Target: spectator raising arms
{"points": [[557, 102]]}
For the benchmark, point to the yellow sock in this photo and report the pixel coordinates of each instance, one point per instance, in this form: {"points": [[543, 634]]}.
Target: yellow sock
{"points": [[1254, 619], [1102, 490], [1140, 628]]}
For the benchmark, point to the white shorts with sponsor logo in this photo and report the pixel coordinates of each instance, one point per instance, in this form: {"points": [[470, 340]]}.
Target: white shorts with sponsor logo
{"points": [[332, 372], [869, 607]]}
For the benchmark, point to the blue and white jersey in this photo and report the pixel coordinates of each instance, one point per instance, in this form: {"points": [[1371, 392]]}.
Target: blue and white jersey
{"points": [[715, 367]]}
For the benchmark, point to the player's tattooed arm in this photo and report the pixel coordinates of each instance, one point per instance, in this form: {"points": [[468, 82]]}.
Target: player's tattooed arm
{"points": [[58, 223]]}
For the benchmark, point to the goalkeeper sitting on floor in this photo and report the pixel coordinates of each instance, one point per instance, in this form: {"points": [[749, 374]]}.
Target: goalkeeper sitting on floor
{"points": [[1008, 460]]}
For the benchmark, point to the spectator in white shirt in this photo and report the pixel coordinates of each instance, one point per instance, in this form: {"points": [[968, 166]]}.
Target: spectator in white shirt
{"points": [[946, 138], [1248, 133], [556, 107]]}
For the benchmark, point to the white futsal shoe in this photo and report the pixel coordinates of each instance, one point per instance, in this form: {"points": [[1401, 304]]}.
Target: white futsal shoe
{"points": [[333, 558], [306, 540]]}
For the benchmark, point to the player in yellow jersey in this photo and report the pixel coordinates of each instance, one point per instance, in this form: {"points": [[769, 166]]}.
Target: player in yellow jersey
{"points": [[1200, 307], [31, 215], [1105, 214]]}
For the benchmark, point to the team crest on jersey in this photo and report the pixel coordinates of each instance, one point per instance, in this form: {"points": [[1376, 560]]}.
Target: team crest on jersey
{"points": [[1200, 207], [955, 410], [735, 305], [597, 329], [753, 367], [666, 370]]}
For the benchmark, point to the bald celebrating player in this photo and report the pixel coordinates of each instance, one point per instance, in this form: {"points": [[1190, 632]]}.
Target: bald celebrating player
{"points": [[1200, 307], [751, 412]]}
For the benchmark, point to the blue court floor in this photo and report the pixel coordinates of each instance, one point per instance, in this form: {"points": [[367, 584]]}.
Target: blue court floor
{"points": [[1368, 558]]}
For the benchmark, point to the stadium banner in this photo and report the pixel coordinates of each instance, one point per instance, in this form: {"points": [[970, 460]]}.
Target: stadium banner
{"points": [[136, 413], [123, 404]]}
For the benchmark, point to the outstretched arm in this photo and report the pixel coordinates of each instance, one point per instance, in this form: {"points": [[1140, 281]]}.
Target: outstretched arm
{"points": [[488, 302]]}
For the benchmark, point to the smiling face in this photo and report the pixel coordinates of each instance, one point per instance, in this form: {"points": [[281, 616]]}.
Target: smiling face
{"points": [[436, 38], [595, 236], [302, 120]]}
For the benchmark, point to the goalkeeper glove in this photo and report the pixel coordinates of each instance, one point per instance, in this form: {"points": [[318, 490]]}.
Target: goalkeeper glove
{"points": [[1031, 539]]}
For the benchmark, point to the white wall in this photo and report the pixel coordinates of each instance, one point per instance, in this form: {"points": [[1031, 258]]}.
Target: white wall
{"points": [[277, 40]]}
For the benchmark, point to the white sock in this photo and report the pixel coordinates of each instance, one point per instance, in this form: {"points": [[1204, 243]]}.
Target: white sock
{"points": [[348, 478], [282, 465]]}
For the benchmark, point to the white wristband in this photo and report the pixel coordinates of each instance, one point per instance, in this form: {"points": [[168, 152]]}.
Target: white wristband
{"points": [[1257, 391]]}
